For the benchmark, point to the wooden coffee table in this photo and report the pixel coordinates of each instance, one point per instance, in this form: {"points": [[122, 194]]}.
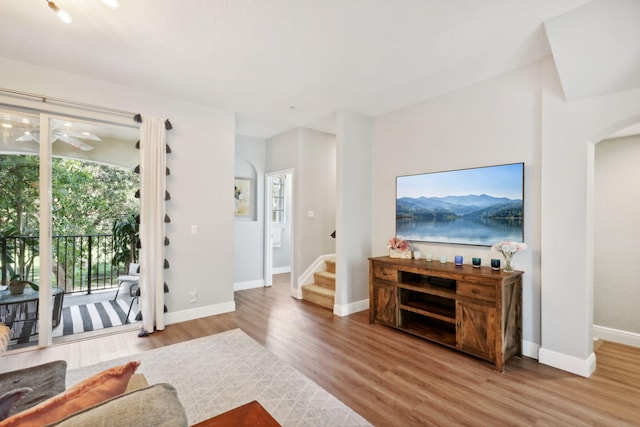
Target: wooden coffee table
{"points": [[250, 414]]}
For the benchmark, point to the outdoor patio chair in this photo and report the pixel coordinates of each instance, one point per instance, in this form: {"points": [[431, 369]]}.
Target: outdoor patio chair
{"points": [[132, 278], [134, 293]]}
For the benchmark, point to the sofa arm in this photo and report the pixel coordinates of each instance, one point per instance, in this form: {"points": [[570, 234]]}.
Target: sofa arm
{"points": [[157, 405], [46, 380]]}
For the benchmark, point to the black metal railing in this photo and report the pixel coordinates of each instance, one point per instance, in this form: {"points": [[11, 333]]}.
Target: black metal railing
{"points": [[81, 263]]}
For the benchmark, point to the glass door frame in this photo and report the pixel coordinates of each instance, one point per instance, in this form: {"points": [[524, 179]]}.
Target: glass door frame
{"points": [[47, 112]]}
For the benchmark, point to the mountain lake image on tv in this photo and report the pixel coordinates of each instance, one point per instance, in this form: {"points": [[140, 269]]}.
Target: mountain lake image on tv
{"points": [[478, 206]]}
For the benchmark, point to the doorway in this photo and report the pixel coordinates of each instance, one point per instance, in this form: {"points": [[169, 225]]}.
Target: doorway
{"points": [[616, 202], [278, 234]]}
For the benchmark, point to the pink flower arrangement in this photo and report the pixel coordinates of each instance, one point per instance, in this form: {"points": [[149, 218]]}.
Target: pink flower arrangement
{"points": [[399, 243]]}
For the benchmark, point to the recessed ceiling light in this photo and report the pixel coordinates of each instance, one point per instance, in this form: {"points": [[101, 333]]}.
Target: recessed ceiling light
{"points": [[68, 124], [7, 125], [25, 121], [62, 14]]}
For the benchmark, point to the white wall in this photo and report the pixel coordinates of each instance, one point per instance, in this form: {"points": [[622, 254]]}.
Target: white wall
{"points": [[354, 213], [201, 177], [249, 232], [316, 192], [596, 48], [494, 122], [616, 236], [569, 132], [311, 155]]}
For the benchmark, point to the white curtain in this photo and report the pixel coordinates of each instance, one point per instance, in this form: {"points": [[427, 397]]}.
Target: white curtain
{"points": [[152, 227]]}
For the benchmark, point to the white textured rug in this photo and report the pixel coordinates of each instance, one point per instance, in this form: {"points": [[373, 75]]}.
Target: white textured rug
{"points": [[220, 372]]}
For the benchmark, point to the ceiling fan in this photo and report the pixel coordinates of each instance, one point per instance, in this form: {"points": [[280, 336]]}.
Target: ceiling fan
{"points": [[70, 137]]}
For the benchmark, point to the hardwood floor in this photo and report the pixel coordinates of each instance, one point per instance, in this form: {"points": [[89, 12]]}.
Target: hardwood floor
{"points": [[392, 378]]}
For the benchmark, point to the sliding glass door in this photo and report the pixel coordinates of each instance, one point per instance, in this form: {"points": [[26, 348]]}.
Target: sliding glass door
{"points": [[63, 242], [19, 224]]}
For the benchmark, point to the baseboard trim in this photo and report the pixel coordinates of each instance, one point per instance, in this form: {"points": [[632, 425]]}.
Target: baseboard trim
{"points": [[280, 270], [347, 309], [296, 293], [251, 284], [616, 335], [582, 367], [198, 312], [530, 349]]}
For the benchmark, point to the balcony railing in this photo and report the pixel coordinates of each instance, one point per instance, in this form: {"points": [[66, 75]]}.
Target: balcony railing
{"points": [[81, 263]]}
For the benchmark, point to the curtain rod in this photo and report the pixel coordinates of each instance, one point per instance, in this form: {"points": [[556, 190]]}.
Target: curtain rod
{"points": [[46, 99]]}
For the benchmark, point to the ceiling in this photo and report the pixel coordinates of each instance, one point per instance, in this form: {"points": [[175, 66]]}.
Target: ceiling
{"points": [[281, 64]]}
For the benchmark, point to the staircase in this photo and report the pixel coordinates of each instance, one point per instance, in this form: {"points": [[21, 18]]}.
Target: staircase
{"points": [[323, 289]]}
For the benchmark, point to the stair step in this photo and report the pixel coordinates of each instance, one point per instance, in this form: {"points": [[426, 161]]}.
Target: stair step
{"points": [[325, 279], [318, 295], [330, 265]]}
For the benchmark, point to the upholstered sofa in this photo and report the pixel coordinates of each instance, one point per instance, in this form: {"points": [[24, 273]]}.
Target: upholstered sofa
{"points": [[37, 396]]}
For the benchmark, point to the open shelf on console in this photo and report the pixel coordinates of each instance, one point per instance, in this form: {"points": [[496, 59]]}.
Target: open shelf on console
{"points": [[428, 327], [434, 306], [425, 280]]}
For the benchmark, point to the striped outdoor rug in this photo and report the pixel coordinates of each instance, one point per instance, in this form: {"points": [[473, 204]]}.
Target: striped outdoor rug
{"points": [[93, 316]]}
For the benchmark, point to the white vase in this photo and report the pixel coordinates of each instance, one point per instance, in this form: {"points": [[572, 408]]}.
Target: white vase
{"points": [[399, 253]]}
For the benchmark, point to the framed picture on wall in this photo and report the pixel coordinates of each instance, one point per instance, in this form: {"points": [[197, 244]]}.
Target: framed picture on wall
{"points": [[243, 198]]}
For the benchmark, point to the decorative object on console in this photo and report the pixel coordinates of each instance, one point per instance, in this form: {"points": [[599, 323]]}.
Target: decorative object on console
{"points": [[443, 259], [495, 264], [399, 248], [476, 261], [458, 259], [508, 250]]}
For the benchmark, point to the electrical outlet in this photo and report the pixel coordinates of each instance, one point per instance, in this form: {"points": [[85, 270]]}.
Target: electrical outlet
{"points": [[193, 297]]}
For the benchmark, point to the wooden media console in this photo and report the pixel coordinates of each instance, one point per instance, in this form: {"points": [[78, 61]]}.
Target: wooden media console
{"points": [[474, 310]]}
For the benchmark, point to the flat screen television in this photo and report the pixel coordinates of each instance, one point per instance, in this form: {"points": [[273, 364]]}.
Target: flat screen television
{"points": [[478, 206]]}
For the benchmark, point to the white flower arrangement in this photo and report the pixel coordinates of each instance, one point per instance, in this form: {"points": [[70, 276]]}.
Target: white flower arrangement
{"points": [[508, 250]]}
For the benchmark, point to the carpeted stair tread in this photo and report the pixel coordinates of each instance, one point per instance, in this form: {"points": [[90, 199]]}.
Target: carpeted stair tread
{"points": [[325, 279], [330, 265], [318, 295]]}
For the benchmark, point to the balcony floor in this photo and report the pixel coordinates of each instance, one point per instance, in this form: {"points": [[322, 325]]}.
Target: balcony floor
{"points": [[81, 299], [94, 297]]}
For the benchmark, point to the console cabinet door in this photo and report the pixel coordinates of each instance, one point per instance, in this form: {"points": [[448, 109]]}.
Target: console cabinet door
{"points": [[475, 332], [385, 299]]}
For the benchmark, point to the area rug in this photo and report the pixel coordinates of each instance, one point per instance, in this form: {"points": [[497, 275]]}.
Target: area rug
{"points": [[219, 372], [90, 317]]}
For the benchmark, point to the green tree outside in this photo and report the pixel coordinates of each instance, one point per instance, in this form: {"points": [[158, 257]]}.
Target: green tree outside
{"points": [[87, 198]]}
